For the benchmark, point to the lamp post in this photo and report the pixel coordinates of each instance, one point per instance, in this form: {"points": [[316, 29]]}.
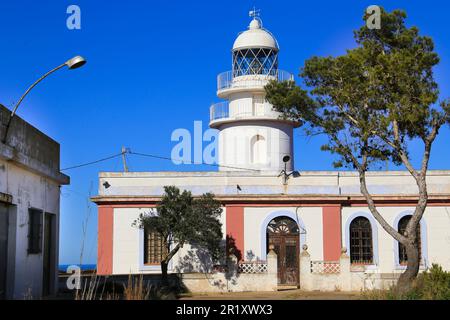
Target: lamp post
{"points": [[73, 63], [284, 173]]}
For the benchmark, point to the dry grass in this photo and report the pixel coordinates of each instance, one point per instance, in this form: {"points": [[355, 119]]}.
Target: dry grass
{"points": [[135, 289]]}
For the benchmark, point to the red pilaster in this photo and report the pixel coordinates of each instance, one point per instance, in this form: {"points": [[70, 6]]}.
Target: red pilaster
{"points": [[331, 220], [235, 230], [105, 240]]}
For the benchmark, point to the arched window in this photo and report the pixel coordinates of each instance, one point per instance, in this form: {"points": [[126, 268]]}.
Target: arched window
{"points": [[361, 247], [258, 149], [402, 257], [283, 225], [155, 249]]}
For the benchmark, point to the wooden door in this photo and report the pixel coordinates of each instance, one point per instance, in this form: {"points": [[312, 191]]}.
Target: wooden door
{"points": [[283, 235], [47, 256], [3, 248]]}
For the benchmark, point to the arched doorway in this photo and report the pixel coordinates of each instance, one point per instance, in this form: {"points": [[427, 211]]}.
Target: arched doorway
{"points": [[283, 234]]}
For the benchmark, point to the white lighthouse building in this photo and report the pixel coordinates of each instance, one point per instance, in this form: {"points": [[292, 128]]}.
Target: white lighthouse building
{"points": [[307, 229], [251, 133]]}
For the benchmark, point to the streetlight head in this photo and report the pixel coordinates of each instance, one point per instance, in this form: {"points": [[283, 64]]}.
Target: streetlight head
{"points": [[295, 174], [286, 159], [76, 62]]}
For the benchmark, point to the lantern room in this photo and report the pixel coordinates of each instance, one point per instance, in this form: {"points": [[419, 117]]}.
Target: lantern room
{"points": [[255, 51]]}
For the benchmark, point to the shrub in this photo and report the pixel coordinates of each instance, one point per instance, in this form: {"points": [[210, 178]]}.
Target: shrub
{"points": [[433, 284]]}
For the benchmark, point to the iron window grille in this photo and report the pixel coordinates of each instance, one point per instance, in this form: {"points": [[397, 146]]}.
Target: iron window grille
{"points": [[402, 256], [361, 247], [283, 225], [155, 249], [34, 231]]}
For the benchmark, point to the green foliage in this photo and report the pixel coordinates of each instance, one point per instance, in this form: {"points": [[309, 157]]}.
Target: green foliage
{"points": [[180, 218], [433, 284], [371, 101]]}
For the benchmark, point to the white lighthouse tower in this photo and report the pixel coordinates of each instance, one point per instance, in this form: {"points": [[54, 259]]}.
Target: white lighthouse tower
{"points": [[251, 133]]}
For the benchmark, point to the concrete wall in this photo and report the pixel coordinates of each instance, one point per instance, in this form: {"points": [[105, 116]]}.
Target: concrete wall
{"points": [[255, 225], [233, 281], [128, 244], [236, 145], [28, 190], [128, 240], [323, 183], [347, 278], [435, 236], [128, 247], [29, 147], [30, 177], [318, 201]]}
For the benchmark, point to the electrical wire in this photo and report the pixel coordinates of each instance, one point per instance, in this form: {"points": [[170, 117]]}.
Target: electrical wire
{"points": [[189, 162], [155, 157], [92, 162]]}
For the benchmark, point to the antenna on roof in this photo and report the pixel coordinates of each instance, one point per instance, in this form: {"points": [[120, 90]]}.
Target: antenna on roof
{"points": [[254, 13], [124, 159]]}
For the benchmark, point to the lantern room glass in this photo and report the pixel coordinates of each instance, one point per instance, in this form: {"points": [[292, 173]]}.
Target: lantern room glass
{"points": [[255, 61]]}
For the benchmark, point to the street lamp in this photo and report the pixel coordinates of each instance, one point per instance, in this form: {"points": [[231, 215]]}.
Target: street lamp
{"points": [[73, 63], [284, 173]]}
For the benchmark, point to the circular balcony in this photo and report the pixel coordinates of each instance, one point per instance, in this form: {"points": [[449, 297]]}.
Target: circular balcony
{"points": [[228, 82], [220, 113]]}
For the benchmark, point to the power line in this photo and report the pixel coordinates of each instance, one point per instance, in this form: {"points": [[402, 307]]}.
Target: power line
{"points": [[125, 151], [189, 162], [92, 162]]}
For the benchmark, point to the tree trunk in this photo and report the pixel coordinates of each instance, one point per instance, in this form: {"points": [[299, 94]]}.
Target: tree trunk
{"points": [[164, 276], [165, 263], [407, 278], [410, 240]]}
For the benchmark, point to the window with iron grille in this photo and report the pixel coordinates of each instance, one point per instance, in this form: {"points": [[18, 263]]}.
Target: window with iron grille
{"points": [[34, 231], [155, 249], [402, 257], [361, 248]]}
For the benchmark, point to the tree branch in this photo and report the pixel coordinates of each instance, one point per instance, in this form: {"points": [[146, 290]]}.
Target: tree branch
{"points": [[172, 253], [386, 226]]}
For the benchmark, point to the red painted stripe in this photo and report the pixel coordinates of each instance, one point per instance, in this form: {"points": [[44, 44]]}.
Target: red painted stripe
{"points": [[105, 240], [235, 231], [331, 221]]}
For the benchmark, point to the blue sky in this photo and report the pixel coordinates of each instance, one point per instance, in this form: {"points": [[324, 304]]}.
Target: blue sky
{"points": [[152, 68]]}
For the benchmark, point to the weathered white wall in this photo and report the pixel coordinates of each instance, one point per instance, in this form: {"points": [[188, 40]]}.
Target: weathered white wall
{"points": [[333, 183], [235, 144], [254, 218], [438, 235], [127, 242], [436, 245], [128, 247], [28, 190]]}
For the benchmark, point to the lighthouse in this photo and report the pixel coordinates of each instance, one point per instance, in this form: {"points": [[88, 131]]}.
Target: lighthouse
{"points": [[251, 133]]}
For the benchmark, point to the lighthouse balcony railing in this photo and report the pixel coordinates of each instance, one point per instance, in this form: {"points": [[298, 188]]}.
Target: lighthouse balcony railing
{"points": [[230, 79], [219, 110]]}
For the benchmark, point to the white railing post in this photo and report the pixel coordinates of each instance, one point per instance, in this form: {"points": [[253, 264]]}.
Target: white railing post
{"points": [[345, 275], [305, 269], [232, 264], [272, 268]]}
